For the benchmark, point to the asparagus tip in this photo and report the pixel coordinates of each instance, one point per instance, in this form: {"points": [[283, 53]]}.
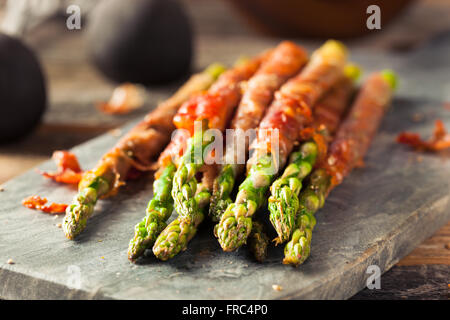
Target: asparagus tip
{"points": [[390, 77], [353, 71], [241, 60], [335, 49], [215, 70]]}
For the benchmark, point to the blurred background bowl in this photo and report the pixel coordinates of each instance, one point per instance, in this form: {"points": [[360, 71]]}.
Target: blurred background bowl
{"points": [[316, 18]]}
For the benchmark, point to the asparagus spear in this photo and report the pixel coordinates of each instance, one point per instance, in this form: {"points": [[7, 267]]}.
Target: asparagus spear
{"points": [[158, 211], [160, 207], [284, 62], [347, 150], [179, 232], [283, 202], [134, 150], [311, 199], [288, 114]]}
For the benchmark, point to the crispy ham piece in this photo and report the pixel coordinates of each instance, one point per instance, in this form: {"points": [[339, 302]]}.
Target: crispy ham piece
{"points": [[440, 139], [38, 203], [69, 170], [125, 98]]}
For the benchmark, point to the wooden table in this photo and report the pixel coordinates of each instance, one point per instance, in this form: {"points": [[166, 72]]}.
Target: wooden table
{"points": [[71, 118]]}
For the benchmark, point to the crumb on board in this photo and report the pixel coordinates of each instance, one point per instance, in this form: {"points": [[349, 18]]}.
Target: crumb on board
{"points": [[447, 246], [277, 287], [59, 225], [102, 257], [99, 240], [176, 274], [2, 189], [210, 289], [10, 261]]}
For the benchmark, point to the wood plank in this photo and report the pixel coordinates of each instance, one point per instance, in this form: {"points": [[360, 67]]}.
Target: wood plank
{"points": [[425, 282], [435, 250]]}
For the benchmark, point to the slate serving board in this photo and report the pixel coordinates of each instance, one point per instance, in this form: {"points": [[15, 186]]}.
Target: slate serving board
{"points": [[377, 216]]}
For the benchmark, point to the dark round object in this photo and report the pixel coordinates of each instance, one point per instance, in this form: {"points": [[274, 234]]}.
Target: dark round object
{"points": [[140, 41], [22, 89]]}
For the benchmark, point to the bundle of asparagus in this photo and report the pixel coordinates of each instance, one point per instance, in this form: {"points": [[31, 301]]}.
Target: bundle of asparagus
{"points": [[285, 61], [290, 111], [273, 94], [135, 150], [347, 151], [283, 202], [213, 110]]}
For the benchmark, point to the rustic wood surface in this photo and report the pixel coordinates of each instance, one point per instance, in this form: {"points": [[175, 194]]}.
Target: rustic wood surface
{"points": [[75, 86]]}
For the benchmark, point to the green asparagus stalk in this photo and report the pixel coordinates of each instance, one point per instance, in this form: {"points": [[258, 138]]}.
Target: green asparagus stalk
{"points": [[310, 201], [223, 186], [175, 237], [83, 204], [236, 222], [258, 241], [184, 183], [188, 202], [284, 203], [158, 211], [322, 72]]}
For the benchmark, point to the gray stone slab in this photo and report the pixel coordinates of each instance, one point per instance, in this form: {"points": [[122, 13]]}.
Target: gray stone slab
{"points": [[377, 216]]}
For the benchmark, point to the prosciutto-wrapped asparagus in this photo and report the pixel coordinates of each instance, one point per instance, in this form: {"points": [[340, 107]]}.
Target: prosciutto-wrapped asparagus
{"points": [[285, 61], [136, 149], [160, 207], [283, 202], [289, 113], [346, 152], [213, 110]]}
